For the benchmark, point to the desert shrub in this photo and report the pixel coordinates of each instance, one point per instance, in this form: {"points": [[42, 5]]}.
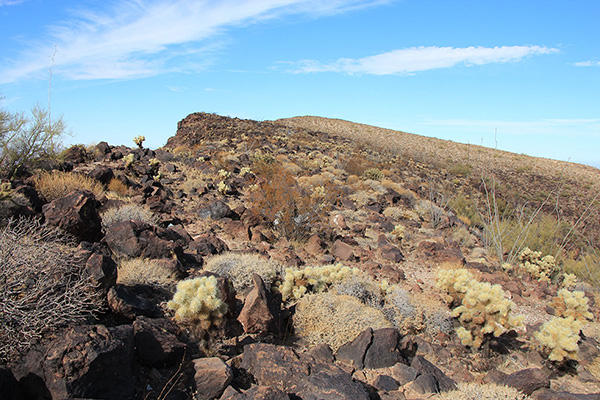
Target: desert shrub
{"points": [[56, 184], [239, 267], [26, 140], [298, 282], [128, 212], [462, 236], [285, 205], [430, 211], [146, 272], [483, 311], [559, 338], [334, 319], [117, 186], [483, 391], [541, 268], [461, 169], [586, 266], [364, 289], [465, 209], [198, 300], [374, 174], [44, 285]]}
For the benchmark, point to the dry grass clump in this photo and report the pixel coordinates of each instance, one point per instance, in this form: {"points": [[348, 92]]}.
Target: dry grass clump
{"points": [[335, 319], [117, 186], [44, 285], [140, 271], [128, 212], [483, 391], [56, 184], [239, 267]]}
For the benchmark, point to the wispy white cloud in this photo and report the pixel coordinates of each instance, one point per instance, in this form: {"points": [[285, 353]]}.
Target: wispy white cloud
{"points": [[10, 2], [416, 59], [588, 63], [133, 39]]}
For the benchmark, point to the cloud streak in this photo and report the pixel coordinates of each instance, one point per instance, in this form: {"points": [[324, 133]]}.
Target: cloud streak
{"points": [[417, 59], [588, 63], [133, 39]]}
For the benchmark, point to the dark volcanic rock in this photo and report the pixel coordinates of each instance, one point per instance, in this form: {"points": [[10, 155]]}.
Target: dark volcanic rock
{"points": [[212, 377], [383, 351], [129, 302], [255, 393], [103, 270], [445, 383], [353, 353], [528, 380], [304, 377], [156, 342], [91, 362], [9, 387], [260, 313], [207, 244], [76, 214], [139, 239]]}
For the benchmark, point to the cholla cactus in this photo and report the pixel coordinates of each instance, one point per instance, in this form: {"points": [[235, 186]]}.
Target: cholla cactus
{"points": [[129, 159], [138, 140], [571, 304], [374, 174], [224, 174], [569, 281], [398, 232], [297, 283], [223, 188], [541, 268], [244, 171], [198, 300], [154, 162], [559, 337], [484, 310]]}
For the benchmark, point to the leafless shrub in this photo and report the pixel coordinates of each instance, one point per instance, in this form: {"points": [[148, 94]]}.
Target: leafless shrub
{"points": [[43, 285]]}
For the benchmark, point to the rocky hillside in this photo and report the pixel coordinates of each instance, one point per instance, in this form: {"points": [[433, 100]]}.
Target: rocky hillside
{"points": [[291, 259]]}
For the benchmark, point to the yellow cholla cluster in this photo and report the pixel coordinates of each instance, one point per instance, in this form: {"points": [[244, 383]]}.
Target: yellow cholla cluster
{"points": [[559, 336], [569, 281], [571, 304], [483, 308], [541, 268], [398, 232], [198, 300], [454, 281], [298, 282]]}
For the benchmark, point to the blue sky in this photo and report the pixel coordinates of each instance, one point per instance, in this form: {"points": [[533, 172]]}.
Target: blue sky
{"points": [[458, 70]]}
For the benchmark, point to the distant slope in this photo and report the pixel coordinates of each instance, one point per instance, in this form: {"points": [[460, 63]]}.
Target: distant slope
{"points": [[574, 187]]}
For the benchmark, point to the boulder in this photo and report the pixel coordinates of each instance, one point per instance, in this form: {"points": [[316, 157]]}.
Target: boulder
{"points": [[403, 373], [255, 393], [138, 239], [103, 270], [547, 394], [260, 313], [91, 362], [304, 377], [211, 376], [207, 244], [342, 251], [353, 353], [425, 384], [103, 174], [219, 210], [156, 342], [528, 380], [128, 302], [383, 351], [445, 383], [75, 214]]}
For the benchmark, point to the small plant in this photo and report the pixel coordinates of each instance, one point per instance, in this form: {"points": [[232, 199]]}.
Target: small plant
{"points": [[571, 304], [117, 186], [239, 267], [224, 174], [559, 338], [374, 174], [138, 140], [154, 162], [223, 188], [483, 391], [128, 212], [245, 171], [483, 311], [335, 319], [399, 232], [198, 300], [57, 184], [569, 281], [297, 283], [146, 272], [128, 160], [541, 268]]}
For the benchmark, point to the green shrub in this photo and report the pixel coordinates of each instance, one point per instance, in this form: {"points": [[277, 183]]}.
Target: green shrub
{"points": [[44, 285], [239, 267], [461, 169], [374, 174], [25, 141]]}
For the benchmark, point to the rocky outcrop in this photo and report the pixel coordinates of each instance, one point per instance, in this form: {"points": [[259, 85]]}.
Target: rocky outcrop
{"points": [[138, 239], [75, 214]]}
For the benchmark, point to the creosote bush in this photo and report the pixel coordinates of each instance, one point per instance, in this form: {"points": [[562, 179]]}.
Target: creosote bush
{"points": [[199, 301], [56, 184], [239, 267], [44, 285]]}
